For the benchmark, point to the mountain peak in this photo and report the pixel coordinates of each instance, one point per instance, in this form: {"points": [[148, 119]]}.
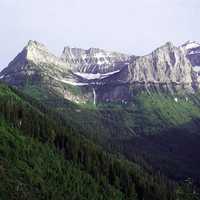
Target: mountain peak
{"points": [[93, 59], [39, 53], [190, 45], [169, 43], [167, 46], [192, 49], [32, 44], [165, 67]]}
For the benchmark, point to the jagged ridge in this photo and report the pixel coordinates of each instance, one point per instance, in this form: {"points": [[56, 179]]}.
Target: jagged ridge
{"points": [[169, 67]]}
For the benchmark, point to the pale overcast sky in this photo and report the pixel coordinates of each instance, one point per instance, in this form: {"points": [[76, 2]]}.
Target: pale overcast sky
{"points": [[130, 26]]}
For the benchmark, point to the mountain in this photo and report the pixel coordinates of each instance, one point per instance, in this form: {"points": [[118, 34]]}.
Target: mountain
{"points": [[192, 49], [35, 65], [94, 60], [42, 158], [143, 108], [103, 76], [24, 64], [165, 67]]}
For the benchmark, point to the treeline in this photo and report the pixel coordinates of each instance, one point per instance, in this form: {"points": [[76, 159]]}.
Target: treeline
{"points": [[125, 176]]}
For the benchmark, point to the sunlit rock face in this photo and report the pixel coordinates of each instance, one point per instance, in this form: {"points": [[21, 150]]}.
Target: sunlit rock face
{"points": [[192, 50], [167, 68], [166, 65], [38, 53], [103, 75], [95, 60], [33, 63]]}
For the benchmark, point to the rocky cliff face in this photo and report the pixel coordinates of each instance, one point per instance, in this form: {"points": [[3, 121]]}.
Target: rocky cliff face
{"points": [[106, 76], [192, 50], [39, 54], [167, 66], [34, 63], [94, 60]]}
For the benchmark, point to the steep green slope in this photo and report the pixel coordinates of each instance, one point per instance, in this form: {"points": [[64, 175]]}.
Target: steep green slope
{"points": [[35, 121], [157, 112], [145, 114], [32, 170], [152, 128]]}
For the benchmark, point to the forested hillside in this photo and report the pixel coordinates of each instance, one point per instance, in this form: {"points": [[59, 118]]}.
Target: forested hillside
{"points": [[32, 170], [159, 130], [107, 174]]}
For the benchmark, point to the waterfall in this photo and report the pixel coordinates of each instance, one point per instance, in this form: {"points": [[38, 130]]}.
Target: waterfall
{"points": [[94, 96]]}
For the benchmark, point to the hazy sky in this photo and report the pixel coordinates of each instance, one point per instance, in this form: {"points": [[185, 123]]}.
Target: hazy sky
{"points": [[131, 26]]}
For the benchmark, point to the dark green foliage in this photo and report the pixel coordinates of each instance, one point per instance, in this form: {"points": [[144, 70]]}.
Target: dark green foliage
{"points": [[154, 129], [32, 170], [106, 169], [158, 112]]}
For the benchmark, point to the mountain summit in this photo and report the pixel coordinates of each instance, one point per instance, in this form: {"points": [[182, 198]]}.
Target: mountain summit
{"points": [[190, 45], [38, 53], [166, 66], [94, 60], [109, 76]]}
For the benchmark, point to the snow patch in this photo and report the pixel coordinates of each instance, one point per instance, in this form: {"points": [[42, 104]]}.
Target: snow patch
{"points": [[2, 76], [70, 82], [84, 56], [91, 76], [73, 83], [191, 45], [196, 68], [102, 55], [194, 52]]}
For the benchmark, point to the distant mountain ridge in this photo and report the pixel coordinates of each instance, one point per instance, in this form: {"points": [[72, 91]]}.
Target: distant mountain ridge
{"points": [[94, 60], [109, 74], [143, 105]]}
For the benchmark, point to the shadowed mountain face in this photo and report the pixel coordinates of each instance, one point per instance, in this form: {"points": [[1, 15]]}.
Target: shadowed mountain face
{"points": [[144, 105], [103, 76]]}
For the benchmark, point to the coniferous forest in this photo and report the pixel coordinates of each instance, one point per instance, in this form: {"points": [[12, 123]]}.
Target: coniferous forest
{"points": [[42, 158]]}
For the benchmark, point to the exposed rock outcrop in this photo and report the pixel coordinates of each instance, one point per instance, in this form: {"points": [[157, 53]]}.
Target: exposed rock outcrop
{"points": [[107, 76], [166, 65], [94, 60], [192, 50], [34, 63]]}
